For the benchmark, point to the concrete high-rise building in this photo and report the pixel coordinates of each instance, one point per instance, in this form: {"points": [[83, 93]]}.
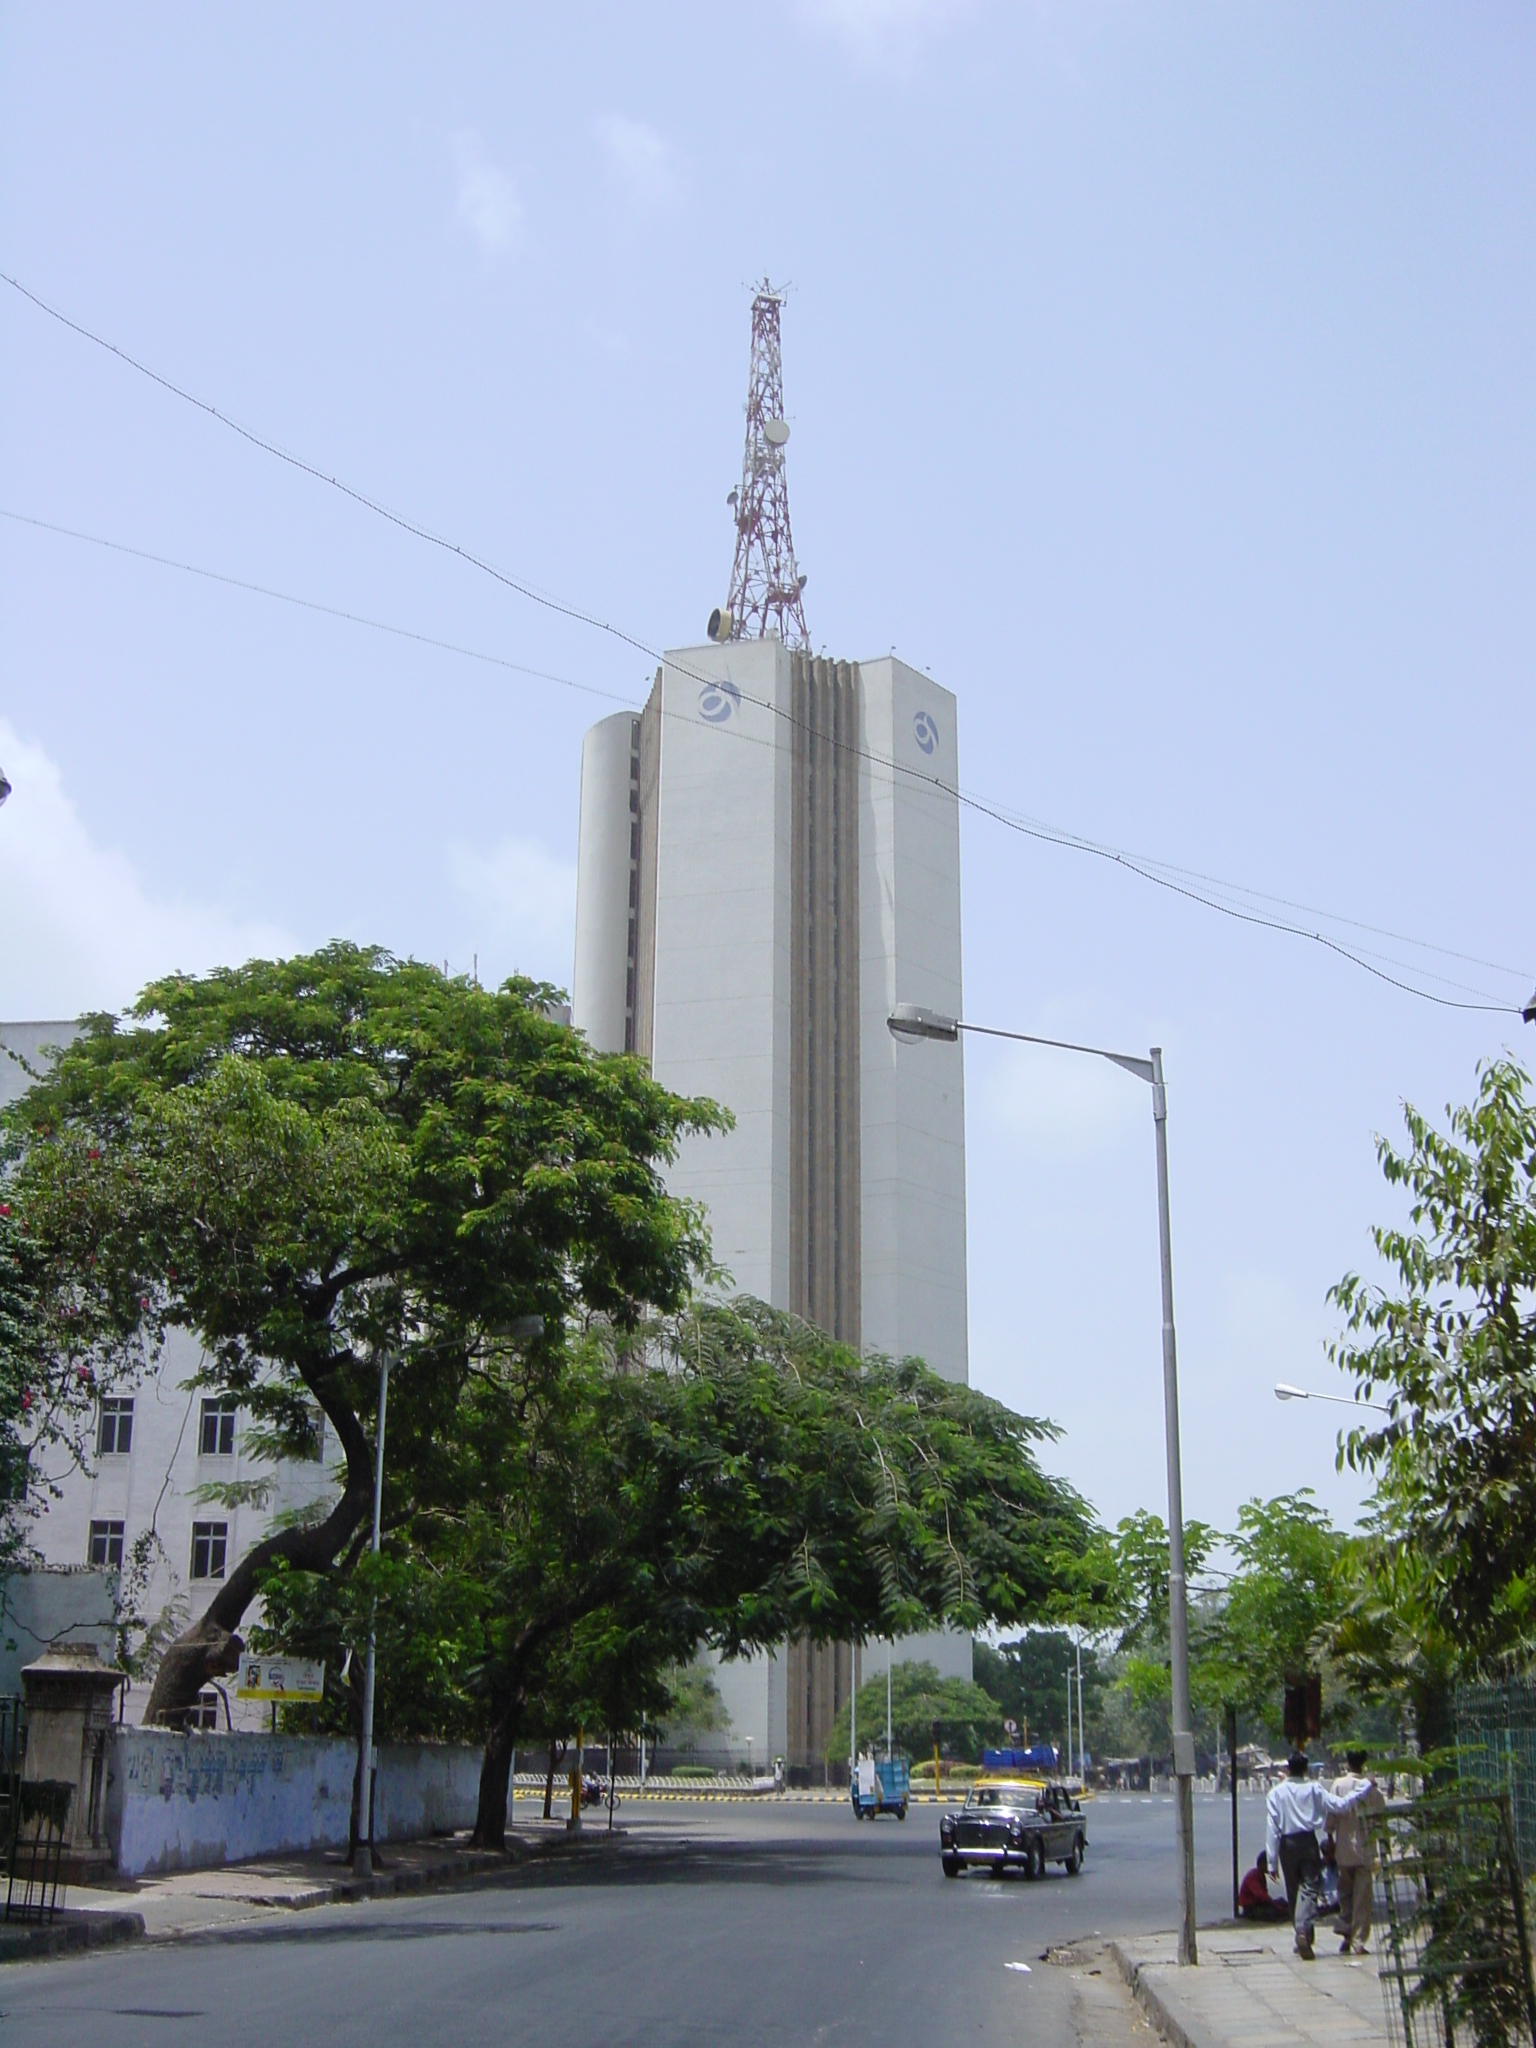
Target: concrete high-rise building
{"points": [[769, 860]]}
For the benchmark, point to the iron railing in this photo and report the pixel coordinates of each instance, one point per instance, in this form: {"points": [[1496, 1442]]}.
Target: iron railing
{"points": [[1456, 1960]]}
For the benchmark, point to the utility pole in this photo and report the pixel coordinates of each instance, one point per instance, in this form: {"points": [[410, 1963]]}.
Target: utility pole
{"points": [[362, 1858]]}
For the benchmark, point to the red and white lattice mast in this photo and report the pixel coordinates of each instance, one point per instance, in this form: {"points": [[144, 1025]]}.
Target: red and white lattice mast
{"points": [[767, 590]]}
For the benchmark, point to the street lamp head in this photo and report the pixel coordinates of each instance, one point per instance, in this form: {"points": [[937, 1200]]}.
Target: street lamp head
{"points": [[5, 790], [1528, 1013], [1285, 1392], [911, 1020], [520, 1330]]}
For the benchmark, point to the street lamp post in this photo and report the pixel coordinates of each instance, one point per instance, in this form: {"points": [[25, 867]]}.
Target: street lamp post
{"points": [[910, 1020], [1286, 1392], [362, 1855]]}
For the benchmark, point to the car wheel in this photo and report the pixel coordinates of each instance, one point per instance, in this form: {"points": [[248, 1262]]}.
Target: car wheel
{"points": [[901, 1811], [1074, 1861], [951, 1866], [1036, 1864]]}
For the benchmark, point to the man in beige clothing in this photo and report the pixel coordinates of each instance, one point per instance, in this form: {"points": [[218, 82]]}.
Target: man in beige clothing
{"points": [[1355, 1850]]}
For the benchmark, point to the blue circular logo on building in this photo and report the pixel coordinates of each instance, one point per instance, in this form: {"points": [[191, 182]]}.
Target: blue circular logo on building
{"points": [[925, 732], [717, 701]]}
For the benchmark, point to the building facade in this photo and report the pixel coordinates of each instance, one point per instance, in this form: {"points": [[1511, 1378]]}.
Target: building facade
{"points": [[769, 860], [139, 1510]]}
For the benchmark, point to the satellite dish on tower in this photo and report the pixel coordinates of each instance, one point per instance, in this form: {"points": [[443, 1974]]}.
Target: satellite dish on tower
{"points": [[776, 433]]}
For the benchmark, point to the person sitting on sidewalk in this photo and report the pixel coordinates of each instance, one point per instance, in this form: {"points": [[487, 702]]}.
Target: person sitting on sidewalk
{"points": [[1253, 1898], [1356, 1850], [1296, 1808]]}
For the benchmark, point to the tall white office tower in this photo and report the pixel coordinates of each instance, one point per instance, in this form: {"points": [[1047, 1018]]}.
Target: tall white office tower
{"points": [[769, 860]]}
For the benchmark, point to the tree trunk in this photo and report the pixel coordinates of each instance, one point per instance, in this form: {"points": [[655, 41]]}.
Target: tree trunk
{"points": [[1434, 1719], [210, 1648], [549, 1782], [495, 1773]]}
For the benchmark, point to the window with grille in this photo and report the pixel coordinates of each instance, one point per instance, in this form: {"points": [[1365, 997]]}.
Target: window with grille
{"points": [[114, 1428], [205, 1715], [218, 1434], [107, 1545], [210, 1542]]}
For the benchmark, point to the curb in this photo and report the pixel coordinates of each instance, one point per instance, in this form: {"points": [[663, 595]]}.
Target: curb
{"points": [[66, 1936], [488, 1868], [1146, 1996]]}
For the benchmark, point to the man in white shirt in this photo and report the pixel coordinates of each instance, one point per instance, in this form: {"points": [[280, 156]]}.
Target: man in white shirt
{"points": [[1355, 1847], [1296, 1808]]}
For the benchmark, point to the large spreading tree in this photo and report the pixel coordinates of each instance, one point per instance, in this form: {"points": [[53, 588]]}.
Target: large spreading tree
{"points": [[1448, 1346], [312, 1162], [726, 1476]]}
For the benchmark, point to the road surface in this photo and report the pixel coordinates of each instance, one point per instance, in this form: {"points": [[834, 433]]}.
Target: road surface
{"points": [[770, 1923]]}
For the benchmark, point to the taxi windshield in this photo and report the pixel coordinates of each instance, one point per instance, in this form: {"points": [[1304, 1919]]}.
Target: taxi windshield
{"points": [[997, 1795]]}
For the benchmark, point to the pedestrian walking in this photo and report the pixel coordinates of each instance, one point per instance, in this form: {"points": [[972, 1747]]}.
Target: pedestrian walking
{"points": [[1355, 1840], [1296, 1809]]}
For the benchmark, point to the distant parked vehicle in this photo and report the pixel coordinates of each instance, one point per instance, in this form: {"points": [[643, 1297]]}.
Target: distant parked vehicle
{"points": [[1014, 1824], [880, 1785]]}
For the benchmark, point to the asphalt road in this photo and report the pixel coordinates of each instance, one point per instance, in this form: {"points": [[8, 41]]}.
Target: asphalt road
{"points": [[772, 1923]]}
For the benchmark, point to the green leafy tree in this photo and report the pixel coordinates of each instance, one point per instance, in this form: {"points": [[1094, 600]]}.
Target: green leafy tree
{"points": [[728, 1476], [1279, 1610], [967, 1715], [1028, 1679], [308, 1162], [47, 1384], [20, 1374], [1450, 1344], [694, 1705]]}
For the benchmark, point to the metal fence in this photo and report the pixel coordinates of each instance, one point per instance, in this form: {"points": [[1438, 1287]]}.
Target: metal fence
{"points": [[10, 1771], [1456, 1961], [1496, 1751]]}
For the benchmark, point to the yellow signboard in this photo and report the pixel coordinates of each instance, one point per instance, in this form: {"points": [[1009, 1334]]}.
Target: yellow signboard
{"points": [[280, 1678]]}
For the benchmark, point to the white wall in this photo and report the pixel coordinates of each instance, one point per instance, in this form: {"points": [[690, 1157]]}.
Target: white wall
{"points": [[913, 1095], [39, 1609], [602, 885], [193, 1802], [722, 944]]}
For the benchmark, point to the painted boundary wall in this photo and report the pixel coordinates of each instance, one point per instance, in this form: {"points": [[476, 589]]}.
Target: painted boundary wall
{"points": [[193, 1802]]}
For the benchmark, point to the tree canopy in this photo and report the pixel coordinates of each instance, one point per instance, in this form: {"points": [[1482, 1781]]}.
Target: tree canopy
{"points": [[311, 1161], [967, 1716], [1450, 1344]]}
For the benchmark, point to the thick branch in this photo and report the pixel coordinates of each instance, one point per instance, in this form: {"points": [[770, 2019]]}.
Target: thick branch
{"points": [[210, 1648]]}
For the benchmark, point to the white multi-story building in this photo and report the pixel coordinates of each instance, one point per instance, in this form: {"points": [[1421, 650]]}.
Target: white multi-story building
{"points": [[769, 860], [140, 1509]]}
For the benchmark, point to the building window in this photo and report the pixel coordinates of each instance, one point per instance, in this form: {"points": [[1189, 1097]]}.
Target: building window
{"points": [[114, 1429], [218, 1437], [210, 1541], [204, 1716], [107, 1545], [316, 1449], [14, 1474]]}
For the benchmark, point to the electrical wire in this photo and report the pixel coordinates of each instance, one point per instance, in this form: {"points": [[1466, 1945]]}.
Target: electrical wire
{"points": [[1164, 875], [310, 604]]}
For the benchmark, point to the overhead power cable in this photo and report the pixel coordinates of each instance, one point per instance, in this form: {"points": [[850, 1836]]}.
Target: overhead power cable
{"points": [[1164, 875], [310, 604]]}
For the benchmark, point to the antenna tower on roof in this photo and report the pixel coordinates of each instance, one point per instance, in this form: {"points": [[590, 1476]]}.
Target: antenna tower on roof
{"points": [[767, 590]]}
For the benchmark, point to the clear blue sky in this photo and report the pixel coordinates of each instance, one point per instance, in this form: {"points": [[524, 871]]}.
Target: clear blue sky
{"points": [[1160, 377]]}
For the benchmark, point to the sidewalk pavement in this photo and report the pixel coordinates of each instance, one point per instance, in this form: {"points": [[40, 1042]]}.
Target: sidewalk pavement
{"points": [[1251, 1990], [188, 1903]]}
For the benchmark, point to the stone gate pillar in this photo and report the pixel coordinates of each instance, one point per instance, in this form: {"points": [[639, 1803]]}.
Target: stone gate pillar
{"points": [[68, 1693]]}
